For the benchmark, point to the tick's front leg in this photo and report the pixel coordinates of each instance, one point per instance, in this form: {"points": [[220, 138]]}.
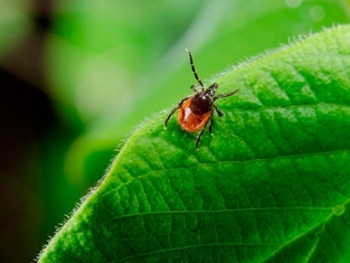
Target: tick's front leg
{"points": [[174, 110], [225, 95], [218, 110]]}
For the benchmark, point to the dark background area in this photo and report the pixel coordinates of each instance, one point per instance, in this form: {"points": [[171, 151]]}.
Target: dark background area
{"points": [[28, 120]]}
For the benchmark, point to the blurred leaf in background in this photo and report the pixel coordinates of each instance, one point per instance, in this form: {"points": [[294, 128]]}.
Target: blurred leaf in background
{"points": [[14, 23], [83, 74]]}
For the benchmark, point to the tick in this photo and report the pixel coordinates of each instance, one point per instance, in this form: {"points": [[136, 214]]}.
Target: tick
{"points": [[196, 111]]}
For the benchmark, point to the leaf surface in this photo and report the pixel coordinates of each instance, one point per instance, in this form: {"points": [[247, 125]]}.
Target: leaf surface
{"points": [[271, 185]]}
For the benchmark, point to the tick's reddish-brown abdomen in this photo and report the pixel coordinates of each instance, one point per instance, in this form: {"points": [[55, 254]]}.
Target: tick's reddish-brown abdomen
{"points": [[188, 120]]}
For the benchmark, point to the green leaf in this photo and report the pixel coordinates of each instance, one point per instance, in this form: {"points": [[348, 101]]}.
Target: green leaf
{"points": [[271, 185]]}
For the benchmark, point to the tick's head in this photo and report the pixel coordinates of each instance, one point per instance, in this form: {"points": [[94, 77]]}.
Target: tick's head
{"points": [[212, 89], [203, 101]]}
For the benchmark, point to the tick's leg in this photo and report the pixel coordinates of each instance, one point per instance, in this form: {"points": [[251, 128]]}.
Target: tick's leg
{"points": [[171, 114], [211, 122], [194, 70], [175, 109], [225, 95], [199, 136], [218, 110], [193, 87]]}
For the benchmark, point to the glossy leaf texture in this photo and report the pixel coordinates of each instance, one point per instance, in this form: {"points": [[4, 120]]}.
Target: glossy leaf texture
{"points": [[271, 185]]}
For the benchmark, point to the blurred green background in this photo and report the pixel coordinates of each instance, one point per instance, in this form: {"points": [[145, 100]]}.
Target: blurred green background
{"points": [[77, 76]]}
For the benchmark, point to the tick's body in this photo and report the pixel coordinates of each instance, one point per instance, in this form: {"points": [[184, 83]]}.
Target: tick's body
{"points": [[197, 110], [188, 120]]}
